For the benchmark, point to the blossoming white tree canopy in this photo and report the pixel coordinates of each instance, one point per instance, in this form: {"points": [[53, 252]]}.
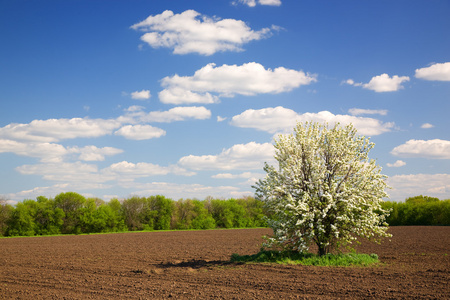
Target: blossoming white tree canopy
{"points": [[325, 190]]}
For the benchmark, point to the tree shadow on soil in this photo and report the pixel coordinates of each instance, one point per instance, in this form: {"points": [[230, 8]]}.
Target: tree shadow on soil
{"points": [[198, 264]]}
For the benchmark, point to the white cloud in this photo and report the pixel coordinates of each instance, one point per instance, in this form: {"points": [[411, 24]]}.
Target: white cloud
{"points": [[352, 82], [135, 114], [53, 153], [434, 149], [92, 153], [440, 72], [46, 152], [49, 191], [73, 173], [176, 95], [404, 186], [191, 32], [240, 156], [228, 80], [382, 83], [142, 95], [134, 108], [427, 126], [52, 130], [270, 2], [178, 114], [43, 133], [129, 171], [245, 175], [178, 191], [138, 170], [140, 132], [269, 119], [251, 178], [220, 119], [397, 164], [282, 120], [52, 191], [252, 3], [360, 111], [82, 176]]}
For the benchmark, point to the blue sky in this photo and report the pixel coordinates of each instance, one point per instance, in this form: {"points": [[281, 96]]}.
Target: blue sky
{"points": [[183, 98]]}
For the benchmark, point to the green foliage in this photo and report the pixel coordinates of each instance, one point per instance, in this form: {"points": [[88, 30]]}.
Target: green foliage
{"points": [[308, 259], [45, 216], [49, 219], [228, 213], [192, 214], [5, 216], [162, 208], [419, 210], [22, 220], [72, 205], [137, 214]]}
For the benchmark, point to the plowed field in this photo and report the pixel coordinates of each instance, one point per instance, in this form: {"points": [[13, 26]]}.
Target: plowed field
{"points": [[194, 265]]}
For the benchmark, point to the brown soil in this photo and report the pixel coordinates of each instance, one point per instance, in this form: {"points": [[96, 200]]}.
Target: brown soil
{"points": [[194, 265]]}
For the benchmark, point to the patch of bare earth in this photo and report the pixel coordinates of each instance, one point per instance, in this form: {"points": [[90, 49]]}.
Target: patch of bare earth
{"points": [[194, 264]]}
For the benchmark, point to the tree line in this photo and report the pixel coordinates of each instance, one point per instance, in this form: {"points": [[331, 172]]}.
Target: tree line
{"points": [[72, 213], [418, 210]]}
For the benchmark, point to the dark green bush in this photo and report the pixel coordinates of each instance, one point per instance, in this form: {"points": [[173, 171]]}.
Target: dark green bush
{"points": [[419, 210]]}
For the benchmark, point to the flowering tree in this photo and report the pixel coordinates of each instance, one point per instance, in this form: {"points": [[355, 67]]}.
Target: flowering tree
{"points": [[325, 190]]}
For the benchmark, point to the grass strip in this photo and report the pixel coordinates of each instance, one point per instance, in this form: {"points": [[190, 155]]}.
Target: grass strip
{"points": [[308, 259]]}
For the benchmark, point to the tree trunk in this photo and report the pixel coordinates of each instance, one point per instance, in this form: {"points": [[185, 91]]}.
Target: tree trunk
{"points": [[323, 250]]}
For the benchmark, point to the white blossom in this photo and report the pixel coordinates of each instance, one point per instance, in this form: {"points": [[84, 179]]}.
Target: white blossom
{"points": [[326, 190]]}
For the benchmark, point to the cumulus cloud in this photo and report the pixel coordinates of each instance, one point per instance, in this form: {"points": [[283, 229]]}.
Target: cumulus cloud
{"points": [[39, 134], [191, 32], [67, 172], [142, 95], [53, 130], [178, 114], [251, 178], [46, 152], [176, 95], [228, 80], [125, 171], [439, 72], [139, 169], [92, 153], [135, 114], [397, 164], [282, 120], [143, 169], [426, 126], [360, 111], [241, 156], [186, 191], [85, 175], [39, 191], [270, 2], [404, 186], [53, 153], [434, 149], [382, 83], [140, 132], [352, 82], [234, 176], [252, 3]]}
